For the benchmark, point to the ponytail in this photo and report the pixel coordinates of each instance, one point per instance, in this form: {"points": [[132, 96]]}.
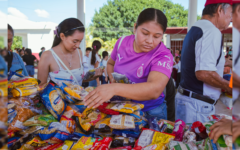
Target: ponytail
{"points": [[96, 45]]}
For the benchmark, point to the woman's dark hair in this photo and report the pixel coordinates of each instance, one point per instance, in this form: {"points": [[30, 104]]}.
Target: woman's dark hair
{"points": [[211, 9], [88, 49], [67, 27], [104, 54], [29, 51], [96, 45], [152, 14], [10, 28]]}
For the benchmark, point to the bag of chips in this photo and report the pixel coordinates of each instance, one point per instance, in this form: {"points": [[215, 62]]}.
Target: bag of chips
{"points": [[84, 143], [103, 126], [105, 109], [103, 144], [178, 130], [40, 120], [122, 122], [46, 133], [53, 101], [126, 133], [127, 107], [72, 92], [50, 147], [67, 145], [119, 78]]}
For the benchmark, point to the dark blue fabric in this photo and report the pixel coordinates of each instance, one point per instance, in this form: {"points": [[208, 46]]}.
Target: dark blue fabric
{"points": [[188, 78]]}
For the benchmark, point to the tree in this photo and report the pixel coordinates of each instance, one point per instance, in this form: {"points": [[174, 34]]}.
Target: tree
{"points": [[117, 17], [1, 42], [17, 42]]}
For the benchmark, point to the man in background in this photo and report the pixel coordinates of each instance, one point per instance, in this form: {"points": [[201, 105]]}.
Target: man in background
{"points": [[42, 50]]}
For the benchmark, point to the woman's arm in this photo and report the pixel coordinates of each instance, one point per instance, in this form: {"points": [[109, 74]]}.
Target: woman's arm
{"points": [[149, 90], [110, 69], [44, 68], [96, 66]]}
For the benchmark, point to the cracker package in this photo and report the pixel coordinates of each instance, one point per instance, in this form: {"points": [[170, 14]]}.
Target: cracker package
{"points": [[40, 120], [24, 91], [127, 107], [53, 101], [122, 122]]}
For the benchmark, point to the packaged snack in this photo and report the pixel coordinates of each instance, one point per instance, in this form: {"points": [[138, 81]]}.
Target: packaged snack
{"points": [[204, 144], [122, 148], [46, 133], [59, 137], [30, 130], [73, 93], [104, 109], [51, 147], [37, 142], [103, 125], [84, 143], [23, 114], [18, 142], [122, 122], [53, 101], [12, 140], [21, 101], [103, 144], [127, 107], [175, 145], [166, 122], [40, 120], [89, 89], [80, 106], [199, 129], [138, 114], [139, 125], [178, 130], [15, 75], [155, 147], [126, 133], [3, 87], [78, 133], [67, 145], [162, 138], [227, 100], [122, 141], [145, 138], [23, 82], [228, 140], [24, 91], [119, 78], [189, 137], [90, 74], [208, 125], [153, 124]]}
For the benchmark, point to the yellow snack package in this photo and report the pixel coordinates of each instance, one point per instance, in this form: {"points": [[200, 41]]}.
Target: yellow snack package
{"points": [[122, 122], [89, 89], [37, 142], [25, 81], [24, 91], [127, 107], [3, 87], [72, 92], [67, 145], [84, 143], [162, 138]]}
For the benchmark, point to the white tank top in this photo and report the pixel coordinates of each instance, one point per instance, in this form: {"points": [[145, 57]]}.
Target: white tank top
{"points": [[76, 75]]}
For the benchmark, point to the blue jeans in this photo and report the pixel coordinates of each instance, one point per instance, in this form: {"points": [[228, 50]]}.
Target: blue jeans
{"points": [[30, 69], [159, 112], [103, 80], [93, 83]]}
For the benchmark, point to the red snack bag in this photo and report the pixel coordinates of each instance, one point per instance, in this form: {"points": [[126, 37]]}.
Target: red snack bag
{"points": [[178, 130], [103, 144], [51, 147], [104, 110], [200, 129]]}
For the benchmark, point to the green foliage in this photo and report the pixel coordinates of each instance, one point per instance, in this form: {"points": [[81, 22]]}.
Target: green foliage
{"points": [[117, 17], [17, 42], [1, 42]]}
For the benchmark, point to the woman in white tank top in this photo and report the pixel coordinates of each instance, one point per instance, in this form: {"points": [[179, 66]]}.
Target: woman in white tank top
{"points": [[64, 60]]}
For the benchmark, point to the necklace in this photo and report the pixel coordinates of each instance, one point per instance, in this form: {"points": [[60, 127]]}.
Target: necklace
{"points": [[70, 62]]}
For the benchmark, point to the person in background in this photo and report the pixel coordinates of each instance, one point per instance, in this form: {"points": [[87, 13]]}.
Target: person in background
{"points": [[4, 52], [94, 61], [14, 61], [177, 51], [85, 64], [29, 59], [42, 50], [202, 64], [104, 63], [178, 72], [21, 52]]}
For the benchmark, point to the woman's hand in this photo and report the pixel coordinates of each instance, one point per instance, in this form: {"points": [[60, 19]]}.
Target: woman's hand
{"points": [[100, 95], [224, 126], [236, 130], [106, 79]]}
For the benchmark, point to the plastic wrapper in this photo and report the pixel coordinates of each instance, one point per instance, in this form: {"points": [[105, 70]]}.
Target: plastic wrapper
{"points": [[227, 100], [126, 133], [122, 148], [103, 126], [154, 147], [40, 120], [228, 140], [12, 140], [50, 147], [59, 137], [53, 101], [90, 74], [153, 124], [199, 129], [80, 106], [166, 122], [23, 114], [17, 142], [178, 130], [104, 109], [89, 89], [23, 82], [84, 143], [89, 118], [189, 137], [175, 145], [122, 122], [122, 141], [24, 91], [3, 87], [30, 130], [138, 114], [21, 101], [103, 144], [119, 78], [78, 133], [15, 75], [162, 138], [71, 91], [127, 107], [204, 144], [46, 133], [145, 138], [67, 145]]}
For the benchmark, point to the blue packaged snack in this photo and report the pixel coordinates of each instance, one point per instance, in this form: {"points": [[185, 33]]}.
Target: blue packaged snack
{"points": [[126, 133], [214, 146], [46, 133], [53, 101], [153, 124], [12, 140], [13, 75]]}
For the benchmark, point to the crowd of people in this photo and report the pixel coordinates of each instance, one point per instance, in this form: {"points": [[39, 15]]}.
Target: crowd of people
{"points": [[150, 66]]}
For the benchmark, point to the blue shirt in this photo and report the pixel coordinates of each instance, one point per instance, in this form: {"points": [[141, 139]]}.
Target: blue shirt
{"points": [[3, 65], [17, 63]]}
